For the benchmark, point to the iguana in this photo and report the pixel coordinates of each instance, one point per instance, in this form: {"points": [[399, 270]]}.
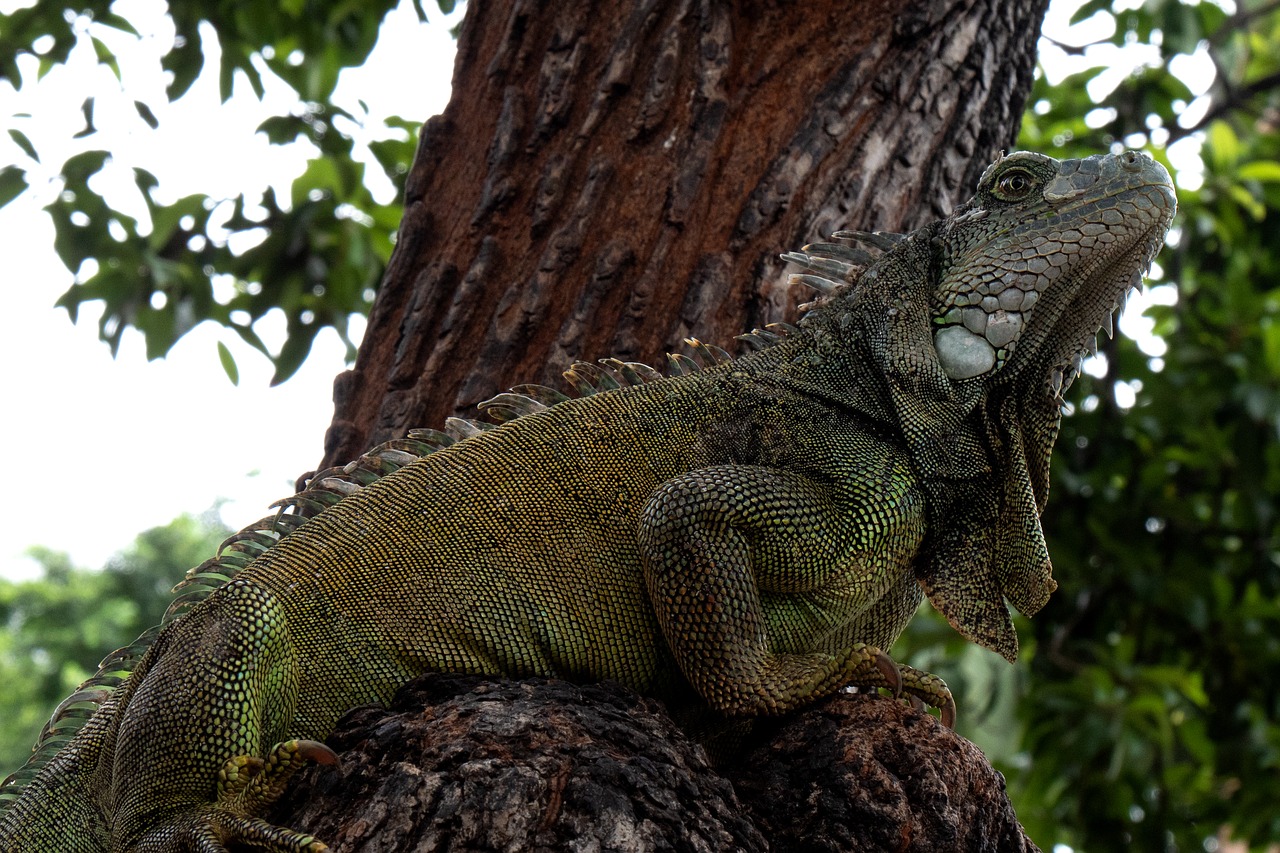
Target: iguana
{"points": [[745, 537]]}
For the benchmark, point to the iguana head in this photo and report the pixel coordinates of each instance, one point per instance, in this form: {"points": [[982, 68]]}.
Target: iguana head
{"points": [[1036, 263], [977, 323]]}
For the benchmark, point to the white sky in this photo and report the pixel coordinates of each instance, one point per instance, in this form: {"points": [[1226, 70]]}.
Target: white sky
{"points": [[103, 449]]}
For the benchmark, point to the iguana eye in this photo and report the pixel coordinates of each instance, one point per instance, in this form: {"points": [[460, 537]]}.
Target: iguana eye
{"points": [[1014, 185]]}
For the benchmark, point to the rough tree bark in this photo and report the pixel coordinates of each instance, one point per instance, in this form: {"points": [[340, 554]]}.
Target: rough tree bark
{"points": [[607, 179], [462, 764]]}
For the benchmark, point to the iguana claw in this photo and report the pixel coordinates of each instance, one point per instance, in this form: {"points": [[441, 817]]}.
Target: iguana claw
{"points": [[890, 670], [949, 712]]}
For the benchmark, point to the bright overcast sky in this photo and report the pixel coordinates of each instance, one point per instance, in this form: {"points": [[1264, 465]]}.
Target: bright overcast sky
{"points": [[102, 449]]}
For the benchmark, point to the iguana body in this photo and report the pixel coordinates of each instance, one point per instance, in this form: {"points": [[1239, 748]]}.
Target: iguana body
{"points": [[745, 537]]}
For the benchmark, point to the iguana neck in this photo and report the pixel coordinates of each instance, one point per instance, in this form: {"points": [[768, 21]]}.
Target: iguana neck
{"points": [[980, 453], [819, 363], [842, 349]]}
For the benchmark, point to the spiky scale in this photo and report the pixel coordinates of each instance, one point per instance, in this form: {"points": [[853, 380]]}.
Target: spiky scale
{"points": [[882, 240], [463, 428], [755, 339], [646, 372], [508, 406], [850, 254], [433, 437], [825, 286], [631, 372], [588, 379], [543, 394], [681, 364], [830, 267], [707, 355]]}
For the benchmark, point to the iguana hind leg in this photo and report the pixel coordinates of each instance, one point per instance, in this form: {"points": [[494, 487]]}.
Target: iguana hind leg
{"points": [[224, 679]]}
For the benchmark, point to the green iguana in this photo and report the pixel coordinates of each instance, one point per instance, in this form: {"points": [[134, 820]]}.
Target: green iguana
{"points": [[745, 537]]}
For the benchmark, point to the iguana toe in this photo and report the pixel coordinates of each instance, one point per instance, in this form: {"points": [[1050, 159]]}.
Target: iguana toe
{"points": [[930, 689]]}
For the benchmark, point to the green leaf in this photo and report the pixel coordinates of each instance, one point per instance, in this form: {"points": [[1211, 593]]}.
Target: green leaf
{"points": [[228, 363], [87, 110], [118, 22], [249, 336], [13, 183], [1224, 146], [77, 170], [185, 62], [1245, 199], [283, 129], [105, 56], [147, 115], [1259, 170], [22, 142]]}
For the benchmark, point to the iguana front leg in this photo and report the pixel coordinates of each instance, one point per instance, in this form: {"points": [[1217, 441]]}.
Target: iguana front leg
{"points": [[750, 567]]}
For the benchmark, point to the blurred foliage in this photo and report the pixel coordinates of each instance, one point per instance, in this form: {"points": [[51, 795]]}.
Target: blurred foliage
{"points": [[1148, 714], [318, 255], [1145, 712], [55, 630]]}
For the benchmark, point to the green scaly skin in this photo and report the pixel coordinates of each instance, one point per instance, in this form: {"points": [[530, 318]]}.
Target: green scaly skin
{"points": [[745, 538]]}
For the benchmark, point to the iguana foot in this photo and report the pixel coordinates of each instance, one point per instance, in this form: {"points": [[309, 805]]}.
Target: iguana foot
{"points": [[247, 786], [920, 688]]}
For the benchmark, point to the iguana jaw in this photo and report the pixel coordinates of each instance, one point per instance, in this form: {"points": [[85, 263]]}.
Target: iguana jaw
{"points": [[1064, 331]]}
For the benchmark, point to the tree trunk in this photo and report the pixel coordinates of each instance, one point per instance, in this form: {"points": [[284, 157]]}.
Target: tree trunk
{"points": [[460, 763], [608, 179], [612, 177]]}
